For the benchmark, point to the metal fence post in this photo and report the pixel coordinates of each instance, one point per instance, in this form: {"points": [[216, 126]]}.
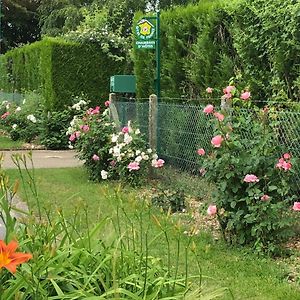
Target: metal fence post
{"points": [[114, 116], [153, 122]]}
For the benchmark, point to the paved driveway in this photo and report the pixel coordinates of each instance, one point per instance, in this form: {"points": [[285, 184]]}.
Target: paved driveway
{"points": [[45, 159]]}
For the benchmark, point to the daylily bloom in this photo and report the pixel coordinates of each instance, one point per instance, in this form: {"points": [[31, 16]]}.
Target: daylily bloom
{"points": [[9, 259]]}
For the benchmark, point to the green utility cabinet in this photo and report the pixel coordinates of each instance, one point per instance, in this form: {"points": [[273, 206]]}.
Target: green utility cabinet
{"points": [[122, 84]]}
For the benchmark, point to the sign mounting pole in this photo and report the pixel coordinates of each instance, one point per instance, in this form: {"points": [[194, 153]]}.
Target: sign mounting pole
{"points": [[148, 37], [157, 54]]}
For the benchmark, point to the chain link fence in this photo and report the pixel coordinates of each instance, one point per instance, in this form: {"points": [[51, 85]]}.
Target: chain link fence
{"points": [[16, 98], [183, 128]]}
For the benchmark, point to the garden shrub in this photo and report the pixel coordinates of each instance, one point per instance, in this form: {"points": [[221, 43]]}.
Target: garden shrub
{"points": [[110, 155], [19, 121], [252, 173], [169, 199], [59, 70]]}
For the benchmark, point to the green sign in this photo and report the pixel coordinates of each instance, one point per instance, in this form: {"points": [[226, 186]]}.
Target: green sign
{"points": [[145, 33]]}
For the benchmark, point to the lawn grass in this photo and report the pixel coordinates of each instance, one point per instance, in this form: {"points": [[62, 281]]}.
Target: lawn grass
{"points": [[248, 276], [6, 143]]}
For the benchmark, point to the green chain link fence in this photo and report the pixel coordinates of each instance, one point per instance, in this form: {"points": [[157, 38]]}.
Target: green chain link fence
{"points": [[16, 98], [183, 128]]}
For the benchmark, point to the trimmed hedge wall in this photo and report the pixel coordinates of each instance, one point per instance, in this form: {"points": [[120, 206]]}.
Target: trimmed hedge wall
{"points": [[59, 70], [255, 41]]}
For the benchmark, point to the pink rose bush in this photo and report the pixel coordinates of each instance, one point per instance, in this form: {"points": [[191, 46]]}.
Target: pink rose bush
{"points": [[254, 186], [110, 154]]}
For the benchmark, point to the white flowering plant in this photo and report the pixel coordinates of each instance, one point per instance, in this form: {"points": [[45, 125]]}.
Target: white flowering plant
{"points": [[130, 158], [107, 154], [19, 121]]}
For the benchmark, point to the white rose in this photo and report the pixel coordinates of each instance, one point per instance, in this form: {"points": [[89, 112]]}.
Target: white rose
{"points": [[104, 174], [14, 126], [114, 138], [149, 151], [31, 118], [138, 159], [137, 131], [18, 109], [155, 156], [127, 138], [137, 152]]}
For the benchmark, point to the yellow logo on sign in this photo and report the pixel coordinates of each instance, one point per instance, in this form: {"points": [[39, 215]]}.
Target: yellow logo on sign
{"points": [[145, 28]]}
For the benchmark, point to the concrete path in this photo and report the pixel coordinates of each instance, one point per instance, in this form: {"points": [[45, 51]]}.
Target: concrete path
{"points": [[44, 159]]}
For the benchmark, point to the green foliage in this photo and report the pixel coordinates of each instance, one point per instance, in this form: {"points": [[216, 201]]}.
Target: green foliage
{"points": [[19, 121], [91, 134], [109, 259], [59, 70], [19, 23], [169, 199], [108, 155], [203, 44], [256, 211]]}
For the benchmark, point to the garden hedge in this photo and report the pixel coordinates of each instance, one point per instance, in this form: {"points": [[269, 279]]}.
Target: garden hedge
{"points": [[59, 70], [255, 41]]}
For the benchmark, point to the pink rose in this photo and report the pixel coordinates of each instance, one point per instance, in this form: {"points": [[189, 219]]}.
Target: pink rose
{"points": [[133, 166], [125, 129], [264, 198], [208, 109], [5, 115], [217, 141], [251, 178], [245, 95], [219, 116], [286, 156], [212, 210], [296, 206], [286, 166], [228, 95], [201, 151], [95, 157], [72, 137], [209, 90], [228, 89], [85, 128], [107, 103], [158, 163], [77, 134]]}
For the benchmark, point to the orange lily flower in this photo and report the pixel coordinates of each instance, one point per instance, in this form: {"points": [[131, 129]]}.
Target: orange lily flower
{"points": [[9, 259]]}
